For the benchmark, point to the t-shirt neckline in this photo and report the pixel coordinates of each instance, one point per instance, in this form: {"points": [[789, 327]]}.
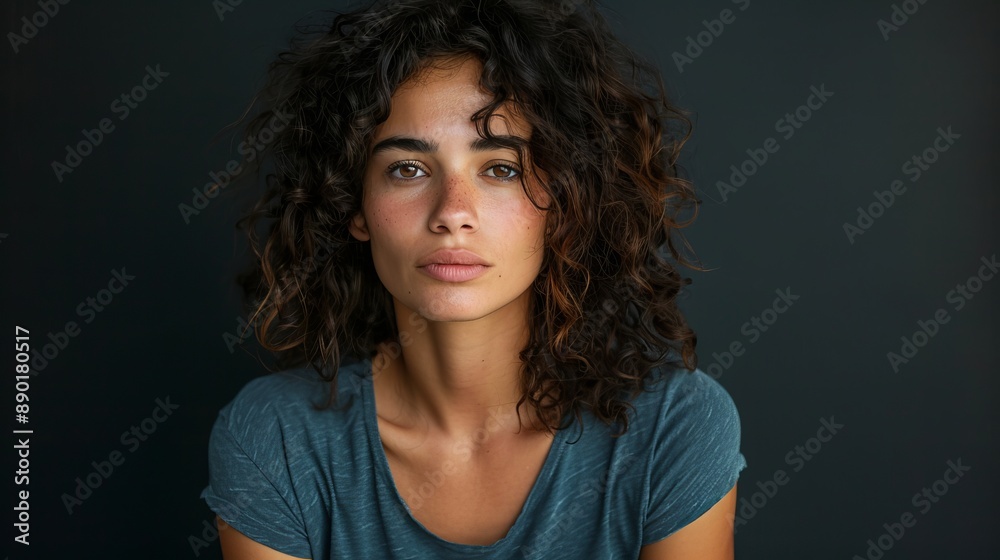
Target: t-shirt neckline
{"points": [[384, 474]]}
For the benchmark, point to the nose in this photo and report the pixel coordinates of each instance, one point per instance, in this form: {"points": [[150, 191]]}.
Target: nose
{"points": [[455, 206]]}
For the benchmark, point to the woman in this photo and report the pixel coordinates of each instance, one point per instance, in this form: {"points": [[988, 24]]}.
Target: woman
{"points": [[471, 213]]}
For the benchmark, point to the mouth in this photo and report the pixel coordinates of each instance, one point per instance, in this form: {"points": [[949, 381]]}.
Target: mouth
{"points": [[452, 256], [450, 272], [453, 265]]}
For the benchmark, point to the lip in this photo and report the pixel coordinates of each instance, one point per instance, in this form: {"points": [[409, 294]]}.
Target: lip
{"points": [[454, 272], [452, 256], [453, 265]]}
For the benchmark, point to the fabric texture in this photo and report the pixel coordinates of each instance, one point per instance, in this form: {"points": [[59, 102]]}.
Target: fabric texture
{"points": [[316, 483]]}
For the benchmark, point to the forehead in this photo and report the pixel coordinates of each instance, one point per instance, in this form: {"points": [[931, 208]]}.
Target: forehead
{"points": [[441, 99]]}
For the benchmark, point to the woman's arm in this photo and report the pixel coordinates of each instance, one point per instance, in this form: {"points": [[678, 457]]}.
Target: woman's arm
{"points": [[710, 537], [237, 546]]}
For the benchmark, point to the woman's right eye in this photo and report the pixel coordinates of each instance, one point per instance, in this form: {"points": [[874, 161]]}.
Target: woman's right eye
{"points": [[406, 170]]}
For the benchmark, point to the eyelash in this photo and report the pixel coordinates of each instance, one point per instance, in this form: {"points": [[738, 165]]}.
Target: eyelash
{"points": [[410, 163]]}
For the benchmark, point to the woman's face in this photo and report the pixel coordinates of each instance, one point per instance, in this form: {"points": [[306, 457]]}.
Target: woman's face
{"points": [[433, 184]]}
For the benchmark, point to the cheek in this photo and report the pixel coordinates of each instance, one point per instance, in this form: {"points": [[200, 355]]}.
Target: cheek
{"points": [[382, 227], [387, 219], [529, 226], [533, 221]]}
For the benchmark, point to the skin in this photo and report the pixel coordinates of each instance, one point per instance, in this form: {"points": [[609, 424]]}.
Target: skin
{"points": [[464, 338], [457, 373]]}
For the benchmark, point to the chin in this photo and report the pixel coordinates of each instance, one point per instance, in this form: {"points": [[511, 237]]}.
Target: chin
{"points": [[454, 304], [441, 312]]}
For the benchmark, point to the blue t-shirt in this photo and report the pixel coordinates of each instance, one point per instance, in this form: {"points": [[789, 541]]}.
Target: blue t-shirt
{"points": [[316, 484]]}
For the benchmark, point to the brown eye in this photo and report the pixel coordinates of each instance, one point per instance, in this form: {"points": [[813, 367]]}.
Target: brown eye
{"points": [[405, 171], [503, 172]]}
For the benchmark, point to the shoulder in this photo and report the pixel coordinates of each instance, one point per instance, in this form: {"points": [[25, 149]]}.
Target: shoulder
{"points": [[681, 400], [693, 432], [270, 444], [283, 404]]}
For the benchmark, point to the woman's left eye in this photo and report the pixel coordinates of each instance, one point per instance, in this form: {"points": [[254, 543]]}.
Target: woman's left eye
{"points": [[503, 172]]}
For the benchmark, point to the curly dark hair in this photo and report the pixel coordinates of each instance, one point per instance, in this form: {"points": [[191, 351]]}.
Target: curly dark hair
{"points": [[604, 305]]}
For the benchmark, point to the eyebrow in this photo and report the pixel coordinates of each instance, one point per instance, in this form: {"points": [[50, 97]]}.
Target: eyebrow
{"points": [[408, 144]]}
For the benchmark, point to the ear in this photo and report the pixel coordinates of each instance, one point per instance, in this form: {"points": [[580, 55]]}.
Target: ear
{"points": [[359, 228]]}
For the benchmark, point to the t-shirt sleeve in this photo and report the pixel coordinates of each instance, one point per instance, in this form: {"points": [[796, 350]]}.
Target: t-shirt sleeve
{"points": [[249, 483], [696, 455]]}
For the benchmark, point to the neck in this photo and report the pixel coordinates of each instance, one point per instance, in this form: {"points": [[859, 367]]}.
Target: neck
{"points": [[454, 378]]}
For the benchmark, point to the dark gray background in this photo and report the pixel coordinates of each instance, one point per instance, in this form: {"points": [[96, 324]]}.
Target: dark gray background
{"points": [[163, 335]]}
